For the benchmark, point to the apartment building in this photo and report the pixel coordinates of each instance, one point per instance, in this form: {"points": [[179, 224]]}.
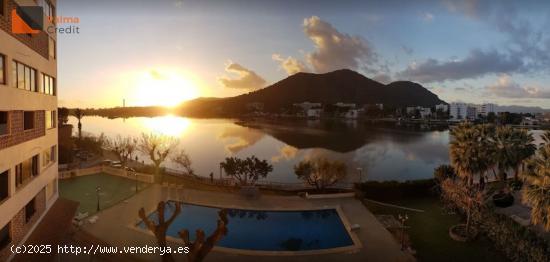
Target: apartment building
{"points": [[462, 111], [28, 128], [485, 109]]}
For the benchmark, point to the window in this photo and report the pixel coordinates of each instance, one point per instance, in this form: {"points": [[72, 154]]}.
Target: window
{"points": [[30, 209], [24, 77], [5, 236], [4, 186], [4, 120], [2, 13], [28, 120], [48, 156], [48, 85], [2, 67], [50, 119], [26, 171], [51, 48]]}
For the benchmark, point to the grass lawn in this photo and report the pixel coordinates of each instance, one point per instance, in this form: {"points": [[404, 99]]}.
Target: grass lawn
{"points": [[114, 189], [429, 233]]}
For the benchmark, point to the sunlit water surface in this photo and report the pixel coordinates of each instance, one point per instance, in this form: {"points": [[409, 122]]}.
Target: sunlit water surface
{"points": [[383, 152]]}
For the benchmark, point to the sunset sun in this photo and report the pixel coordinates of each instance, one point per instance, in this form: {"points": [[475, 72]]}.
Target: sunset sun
{"points": [[165, 88]]}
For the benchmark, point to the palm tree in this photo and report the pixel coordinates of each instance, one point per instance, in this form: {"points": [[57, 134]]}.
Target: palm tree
{"points": [[469, 150], [537, 191], [79, 115], [523, 149], [546, 137], [503, 150]]}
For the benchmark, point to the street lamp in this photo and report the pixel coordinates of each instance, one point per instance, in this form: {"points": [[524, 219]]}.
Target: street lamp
{"points": [[135, 175], [97, 190], [403, 219], [220, 171]]}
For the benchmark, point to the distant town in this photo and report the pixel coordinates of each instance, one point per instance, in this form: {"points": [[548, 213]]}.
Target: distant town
{"points": [[453, 112]]}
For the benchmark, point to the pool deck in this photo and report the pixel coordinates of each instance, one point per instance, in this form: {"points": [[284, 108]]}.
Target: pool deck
{"points": [[373, 241]]}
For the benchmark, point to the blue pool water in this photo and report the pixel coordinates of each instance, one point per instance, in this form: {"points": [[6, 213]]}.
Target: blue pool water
{"points": [[263, 230]]}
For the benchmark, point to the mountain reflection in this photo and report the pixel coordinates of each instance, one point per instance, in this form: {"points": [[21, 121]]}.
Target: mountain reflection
{"points": [[336, 135]]}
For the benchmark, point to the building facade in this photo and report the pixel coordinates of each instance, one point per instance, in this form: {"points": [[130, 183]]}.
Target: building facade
{"points": [[442, 107], [28, 126], [485, 109], [462, 111]]}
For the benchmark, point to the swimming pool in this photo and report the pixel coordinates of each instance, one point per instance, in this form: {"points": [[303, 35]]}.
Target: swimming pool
{"points": [[264, 230]]}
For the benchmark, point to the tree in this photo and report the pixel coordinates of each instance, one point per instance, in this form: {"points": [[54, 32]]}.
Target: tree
{"points": [[182, 158], [63, 115], [157, 147], [524, 148], [465, 197], [537, 191], [159, 229], [79, 115], [443, 172], [123, 148], [470, 150], [546, 137], [503, 145], [320, 173], [199, 248], [246, 171]]}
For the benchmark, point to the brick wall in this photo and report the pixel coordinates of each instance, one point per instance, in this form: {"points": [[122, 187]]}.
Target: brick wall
{"points": [[17, 134], [19, 227], [37, 42]]}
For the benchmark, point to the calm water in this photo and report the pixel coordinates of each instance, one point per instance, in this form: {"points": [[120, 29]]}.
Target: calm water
{"points": [[384, 152], [263, 230]]}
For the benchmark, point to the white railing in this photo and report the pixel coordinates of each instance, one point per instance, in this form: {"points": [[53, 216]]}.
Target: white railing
{"points": [[147, 178]]}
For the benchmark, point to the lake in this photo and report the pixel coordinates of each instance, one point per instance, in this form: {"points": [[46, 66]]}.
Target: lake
{"points": [[382, 151]]}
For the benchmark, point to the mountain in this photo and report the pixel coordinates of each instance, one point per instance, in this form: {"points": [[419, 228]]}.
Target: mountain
{"points": [[521, 109], [338, 86]]}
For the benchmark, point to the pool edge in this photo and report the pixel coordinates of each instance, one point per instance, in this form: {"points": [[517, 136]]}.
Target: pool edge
{"points": [[357, 245]]}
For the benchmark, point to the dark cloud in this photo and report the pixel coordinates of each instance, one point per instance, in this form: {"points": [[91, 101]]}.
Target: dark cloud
{"points": [[248, 79], [515, 19], [477, 63]]}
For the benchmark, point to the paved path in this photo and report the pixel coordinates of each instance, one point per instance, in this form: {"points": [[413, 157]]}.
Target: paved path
{"points": [[114, 225]]}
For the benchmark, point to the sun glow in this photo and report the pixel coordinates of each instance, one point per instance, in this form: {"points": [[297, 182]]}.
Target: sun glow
{"points": [[167, 125], [163, 87]]}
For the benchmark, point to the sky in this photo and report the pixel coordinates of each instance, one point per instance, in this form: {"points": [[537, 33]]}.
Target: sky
{"points": [[166, 51]]}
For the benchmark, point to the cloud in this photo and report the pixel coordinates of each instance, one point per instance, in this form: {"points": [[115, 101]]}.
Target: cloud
{"points": [[478, 63], [427, 17], [507, 88], [286, 152], [290, 65], [248, 79], [382, 78], [335, 50], [407, 50], [514, 19], [239, 138]]}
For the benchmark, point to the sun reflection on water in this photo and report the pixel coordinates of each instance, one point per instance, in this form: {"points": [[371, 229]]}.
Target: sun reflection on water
{"points": [[168, 125]]}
